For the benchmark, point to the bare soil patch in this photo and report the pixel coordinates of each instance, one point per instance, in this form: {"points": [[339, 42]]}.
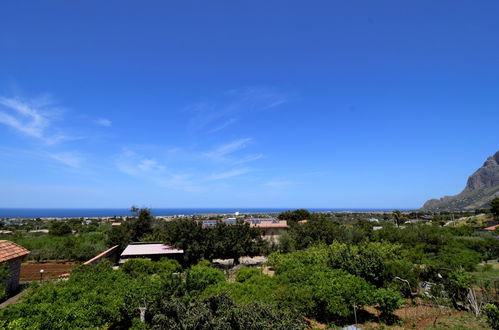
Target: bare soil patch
{"points": [[30, 271]]}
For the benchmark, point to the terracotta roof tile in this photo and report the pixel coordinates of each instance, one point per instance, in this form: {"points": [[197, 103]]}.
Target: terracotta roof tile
{"points": [[10, 250], [491, 228], [268, 224]]}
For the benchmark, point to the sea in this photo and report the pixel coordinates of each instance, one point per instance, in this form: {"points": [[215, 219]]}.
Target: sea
{"points": [[111, 212]]}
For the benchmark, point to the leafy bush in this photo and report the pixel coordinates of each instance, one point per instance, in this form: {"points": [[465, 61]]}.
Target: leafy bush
{"points": [[59, 228], [220, 312], [491, 311], [200, 277], [246, 273], [388, 300], [4, 273]]}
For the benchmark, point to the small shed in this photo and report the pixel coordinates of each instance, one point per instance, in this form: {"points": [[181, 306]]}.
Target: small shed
{"points": [[11, 255], [153, 251]]}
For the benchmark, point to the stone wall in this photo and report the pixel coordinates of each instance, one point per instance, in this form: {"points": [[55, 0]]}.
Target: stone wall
{"points": [[12, 282]]}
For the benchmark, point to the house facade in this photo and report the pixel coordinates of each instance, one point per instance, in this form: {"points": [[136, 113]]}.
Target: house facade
{"points": [[271, 230], [11, 255]]}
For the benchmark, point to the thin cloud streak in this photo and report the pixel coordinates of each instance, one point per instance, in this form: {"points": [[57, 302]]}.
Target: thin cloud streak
{"points": [[224, 150], [67, 158], [103, 122], [28, 118], [224, 125], [228, 174], [136, 165], [234, 104]]}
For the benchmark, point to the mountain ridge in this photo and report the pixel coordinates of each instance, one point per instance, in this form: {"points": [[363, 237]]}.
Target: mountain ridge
{"points": [[482, 186]]}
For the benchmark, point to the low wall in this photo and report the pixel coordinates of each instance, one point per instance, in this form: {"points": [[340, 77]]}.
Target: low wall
{"points": [[111, 254]]}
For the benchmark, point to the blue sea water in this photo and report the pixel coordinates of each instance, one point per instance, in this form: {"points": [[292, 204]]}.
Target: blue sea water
{"points": [[110, 212]]}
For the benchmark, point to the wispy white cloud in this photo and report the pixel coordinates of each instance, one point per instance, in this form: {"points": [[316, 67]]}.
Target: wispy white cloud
{"points": [[278, 183], [150, 165], [152, 170], [32, 118], [228, 174], [183, 182], [259, 98], [103, 122], [221, 152], [247, 159], [223, 125], [67, 158], [230, 107], [131, 163]]}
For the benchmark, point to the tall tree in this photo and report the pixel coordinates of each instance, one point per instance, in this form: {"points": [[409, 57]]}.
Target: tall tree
{"points": [[294, 216], [232, 241], [141, 223], [397, 218], [188, 235], [494, 204]]}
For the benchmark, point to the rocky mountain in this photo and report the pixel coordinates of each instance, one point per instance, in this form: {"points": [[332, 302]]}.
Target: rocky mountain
{"points": [[481, 188]]}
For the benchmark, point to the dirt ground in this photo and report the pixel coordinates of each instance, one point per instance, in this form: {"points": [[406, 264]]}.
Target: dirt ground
{"points": [[30, 271], [429, 317]]}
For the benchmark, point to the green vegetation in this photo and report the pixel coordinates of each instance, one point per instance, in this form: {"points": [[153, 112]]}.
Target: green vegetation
{"points": [[494, 207], [51, 247], [4, 273], [97, 296], [333, 268], [492, 313], [294, 216]]}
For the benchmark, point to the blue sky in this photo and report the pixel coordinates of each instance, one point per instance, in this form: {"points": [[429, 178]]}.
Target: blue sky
{"points": [[347, 104]]}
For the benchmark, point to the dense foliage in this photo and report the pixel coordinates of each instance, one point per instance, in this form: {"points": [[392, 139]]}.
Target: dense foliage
{"points": [[4, 273], [327, 268], [79, 247], [98, 296], [222, 241]]}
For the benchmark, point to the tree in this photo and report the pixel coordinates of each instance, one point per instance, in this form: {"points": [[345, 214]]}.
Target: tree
{"points": [[199, 277], [220, 312], [294, 216], [232, 241], [494, 204], [397, 218], [59, 228], [141, 223], [119, 235], [188, 235], [388, 301], [492, 313]]}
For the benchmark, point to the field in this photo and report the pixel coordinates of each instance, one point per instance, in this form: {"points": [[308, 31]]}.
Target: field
{"points": [[30, 271], [429, 317]]}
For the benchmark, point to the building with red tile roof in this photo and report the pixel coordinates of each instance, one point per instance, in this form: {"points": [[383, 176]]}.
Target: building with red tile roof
{"points": [[271, 230], [491, 228], [12, 254]]}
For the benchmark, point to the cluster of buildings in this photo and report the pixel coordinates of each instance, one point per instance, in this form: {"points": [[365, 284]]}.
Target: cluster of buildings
{"points": [[271, 229], [11, 254]]}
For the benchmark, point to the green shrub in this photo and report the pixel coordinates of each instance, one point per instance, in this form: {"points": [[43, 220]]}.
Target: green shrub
{"points": [[220, 312], [138, 266], [246, 273], [492, 313], [200, 277], [4, 273], [388, 301]]}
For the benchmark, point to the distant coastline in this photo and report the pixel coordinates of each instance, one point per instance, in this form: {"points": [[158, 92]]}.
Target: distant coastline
{"points": [[119, 212]]}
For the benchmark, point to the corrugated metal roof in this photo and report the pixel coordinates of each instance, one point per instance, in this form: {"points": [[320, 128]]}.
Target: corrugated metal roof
{"points": [[149, 249]]}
